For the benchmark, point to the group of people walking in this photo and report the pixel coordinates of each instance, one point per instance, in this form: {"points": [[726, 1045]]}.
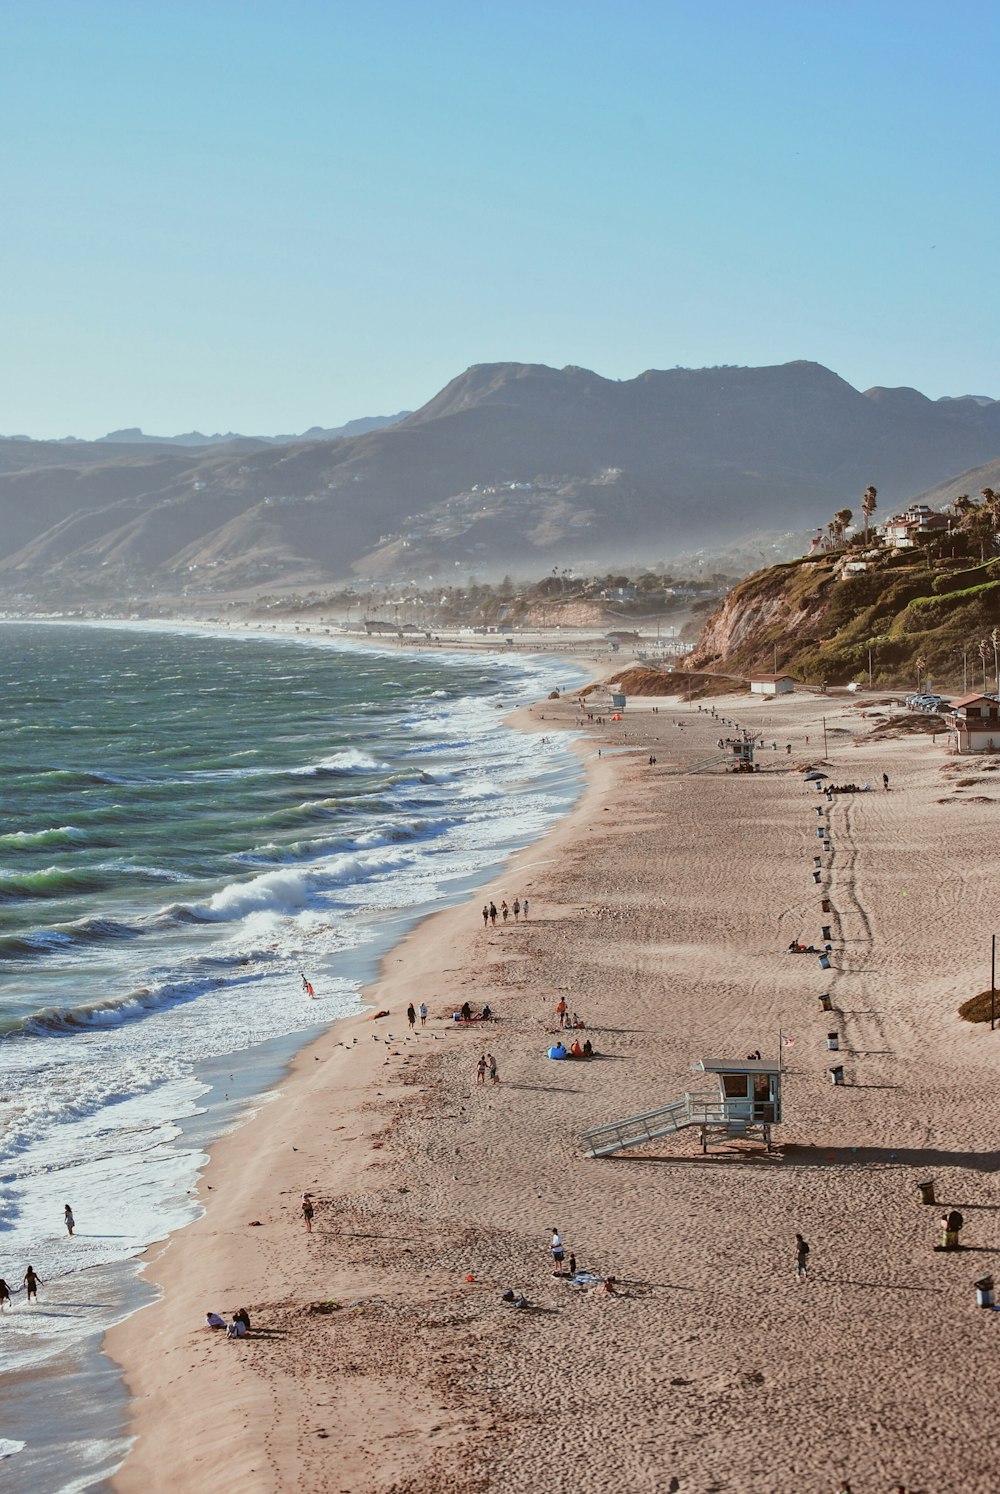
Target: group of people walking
{"points": [[490, 912], [31, 1280]]}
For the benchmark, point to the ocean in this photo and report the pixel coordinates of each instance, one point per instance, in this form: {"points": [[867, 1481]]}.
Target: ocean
{"points": [[189, 824]]}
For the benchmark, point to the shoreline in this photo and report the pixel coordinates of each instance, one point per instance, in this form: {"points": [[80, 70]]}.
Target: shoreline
{"points": [[357, 1068], [257, 1088], [662, 906]]}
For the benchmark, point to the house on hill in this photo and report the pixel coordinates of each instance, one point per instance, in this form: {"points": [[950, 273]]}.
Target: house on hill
{"points": [[771, 684], [906, 530], [976, 724]]}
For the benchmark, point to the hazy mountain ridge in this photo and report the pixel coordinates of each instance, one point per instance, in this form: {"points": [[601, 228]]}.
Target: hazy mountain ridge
{"points": [[135, 436], [509, 466]]}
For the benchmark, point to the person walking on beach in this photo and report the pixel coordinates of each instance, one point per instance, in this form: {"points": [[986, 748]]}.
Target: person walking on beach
{"points": [[885, 783], [4, 1294], [524, 907], [481, 1069], [493, 914], [307, 1212], [505, 911], [561, 1010], [70, 1221], [32, 1282], [801, 1259], [486, 915], [411, 1016], [556, 1246], [491, 1069], [423, 1014], [517, 909]]}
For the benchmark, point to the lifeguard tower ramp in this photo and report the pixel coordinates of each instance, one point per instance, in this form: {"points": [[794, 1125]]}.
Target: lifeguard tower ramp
{"points": [[746, 1104]]}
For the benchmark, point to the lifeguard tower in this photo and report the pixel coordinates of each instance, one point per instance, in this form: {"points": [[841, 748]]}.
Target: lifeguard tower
{"points": [[745, 1104]]}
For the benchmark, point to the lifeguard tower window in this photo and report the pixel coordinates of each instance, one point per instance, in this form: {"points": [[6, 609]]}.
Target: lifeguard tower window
{"points": [[734, 1086], [763, 1098]]}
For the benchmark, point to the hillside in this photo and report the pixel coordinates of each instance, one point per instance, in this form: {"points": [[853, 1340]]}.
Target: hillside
{"points": [[912, 616], [509, 467]]}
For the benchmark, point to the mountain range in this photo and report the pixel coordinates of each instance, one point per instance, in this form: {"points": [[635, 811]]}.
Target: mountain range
{"points": [[135, 436], [510, 467]]}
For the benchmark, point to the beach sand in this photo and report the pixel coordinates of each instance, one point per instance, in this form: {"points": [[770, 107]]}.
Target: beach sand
{"points": [[661, 908]]}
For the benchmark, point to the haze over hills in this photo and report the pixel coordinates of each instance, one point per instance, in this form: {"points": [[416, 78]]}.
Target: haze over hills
{"points": [[510, 467], [135, 436]]}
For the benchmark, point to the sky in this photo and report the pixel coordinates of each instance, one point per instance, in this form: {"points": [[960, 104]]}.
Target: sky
{"points": [[262, 215]]}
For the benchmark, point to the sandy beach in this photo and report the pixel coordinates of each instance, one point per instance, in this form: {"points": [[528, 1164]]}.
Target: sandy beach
{"points": [[661, 909]]}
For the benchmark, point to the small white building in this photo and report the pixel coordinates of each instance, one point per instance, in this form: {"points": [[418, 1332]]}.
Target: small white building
{"points": [[976, 724], [771, 684]]}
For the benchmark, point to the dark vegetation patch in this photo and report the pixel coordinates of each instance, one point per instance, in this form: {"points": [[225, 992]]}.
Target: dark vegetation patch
{"points": [[978, 1008]]}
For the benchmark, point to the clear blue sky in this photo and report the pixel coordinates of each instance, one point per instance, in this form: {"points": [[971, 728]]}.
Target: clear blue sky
{"points": [[253, 215]]}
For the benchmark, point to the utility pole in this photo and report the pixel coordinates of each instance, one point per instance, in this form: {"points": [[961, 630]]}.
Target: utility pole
{"points": [[826, 752], [993, 984]]}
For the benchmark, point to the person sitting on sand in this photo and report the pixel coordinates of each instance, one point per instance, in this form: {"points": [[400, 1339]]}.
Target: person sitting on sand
{"points": [[213, 1320], [576, 1049], [236, 1329], [607, 1287], [588, 1049], [487, 1015], [242, 1316]]}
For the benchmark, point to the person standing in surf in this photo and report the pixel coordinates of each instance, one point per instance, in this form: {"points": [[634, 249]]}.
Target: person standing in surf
{"points": [[32, 1282], [307, 986], [70, 1221]]}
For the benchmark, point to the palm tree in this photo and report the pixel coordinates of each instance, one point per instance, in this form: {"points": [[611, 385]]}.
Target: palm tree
{"points": [[982, 655], [868, 506], [995, 640], [960, 506], [841, 519], [921, 664]]}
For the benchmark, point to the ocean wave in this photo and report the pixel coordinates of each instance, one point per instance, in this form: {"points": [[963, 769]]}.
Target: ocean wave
{"points": [[286, 853], [112, 1012], [339, 765], [53, 881], [277, 891], [28, 840], [50, 941], [284, 891]]}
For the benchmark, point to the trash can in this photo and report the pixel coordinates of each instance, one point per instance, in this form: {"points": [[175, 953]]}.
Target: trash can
{"points": [[984, 1291], [825, 905], [837, 1074], [817, 861], [833, 1041], [824, 962], [821, 832], [827, 931], [926, 1191], [825, 1002], [817, 877]]}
